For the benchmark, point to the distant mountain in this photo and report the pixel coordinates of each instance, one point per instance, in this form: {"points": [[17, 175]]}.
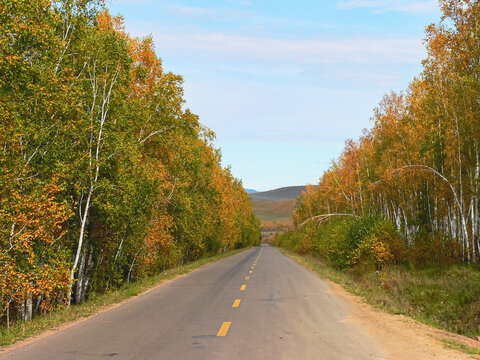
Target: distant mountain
{"points": [[284, 193], [251, 191], [276, 205]]}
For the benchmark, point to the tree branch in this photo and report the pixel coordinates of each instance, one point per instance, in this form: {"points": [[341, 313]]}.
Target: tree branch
{"points": [[324, 217]]}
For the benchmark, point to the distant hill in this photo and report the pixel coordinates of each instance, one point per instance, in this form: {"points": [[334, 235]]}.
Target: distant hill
{"points": [[276, 205], [284, 193], [279, 211], [251, 191]]}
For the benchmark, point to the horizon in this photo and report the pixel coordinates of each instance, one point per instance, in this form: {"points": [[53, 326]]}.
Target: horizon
{"points": [[281, 187]]}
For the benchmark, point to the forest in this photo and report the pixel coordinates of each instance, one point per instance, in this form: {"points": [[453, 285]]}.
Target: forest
{"points": [[105, 175], [407, 192]]}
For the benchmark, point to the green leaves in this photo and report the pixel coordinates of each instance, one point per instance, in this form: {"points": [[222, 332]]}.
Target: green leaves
{"points": [[104, 177]]}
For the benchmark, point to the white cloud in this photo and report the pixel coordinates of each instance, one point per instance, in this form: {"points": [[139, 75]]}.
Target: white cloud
{"points": [[353, 4], [132, 2], [245, 17], [193, 10], [260, 70], [241, 2], [347, 49], [360, 78], [415, 7]]}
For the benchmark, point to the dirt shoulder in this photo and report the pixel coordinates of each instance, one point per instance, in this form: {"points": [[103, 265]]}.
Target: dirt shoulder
{"points": [[402, 337]]}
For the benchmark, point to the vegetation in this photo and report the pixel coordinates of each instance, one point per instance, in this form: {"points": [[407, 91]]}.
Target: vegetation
{"points": [[450, 344], [276, 226], [403, 201], [274, 211], [105, 177], [412, 182]]}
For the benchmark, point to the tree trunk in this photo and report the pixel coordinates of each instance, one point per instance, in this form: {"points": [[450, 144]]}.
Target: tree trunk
{"points": [[27, 307], [80, 242]]}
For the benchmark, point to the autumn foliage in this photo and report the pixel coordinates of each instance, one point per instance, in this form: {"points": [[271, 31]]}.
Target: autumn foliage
{"points": [[105, 176], [408, 189]]}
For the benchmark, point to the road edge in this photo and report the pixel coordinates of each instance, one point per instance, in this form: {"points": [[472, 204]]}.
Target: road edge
{"points": [[440, 336], [104, 308]]}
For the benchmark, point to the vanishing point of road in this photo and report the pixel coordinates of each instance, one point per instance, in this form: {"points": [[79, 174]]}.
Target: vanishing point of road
{"points": [[257, 304]]}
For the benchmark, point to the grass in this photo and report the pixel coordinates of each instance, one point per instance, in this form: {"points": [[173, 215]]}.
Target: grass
{"points": [[289, 192], [451, 344], [447, 298], [97, 302]]}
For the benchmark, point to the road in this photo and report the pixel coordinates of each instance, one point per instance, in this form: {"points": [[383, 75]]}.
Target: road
{"points": [[257, 304]]}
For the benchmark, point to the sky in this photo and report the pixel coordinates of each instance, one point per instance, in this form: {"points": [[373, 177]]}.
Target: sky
{"points": [[284, 83]]}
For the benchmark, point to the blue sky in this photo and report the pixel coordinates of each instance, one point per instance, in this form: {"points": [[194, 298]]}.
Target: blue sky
{"points": [[284, 83]]}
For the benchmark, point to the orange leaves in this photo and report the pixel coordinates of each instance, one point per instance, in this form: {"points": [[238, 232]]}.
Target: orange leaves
{"points": [[103, 172], [419, 165], [109, 22], [147, 69], [158, 242], [30, 262]]}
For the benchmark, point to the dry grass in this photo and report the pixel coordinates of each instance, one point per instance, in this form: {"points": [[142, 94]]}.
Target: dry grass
{"points": [[279, 211]]}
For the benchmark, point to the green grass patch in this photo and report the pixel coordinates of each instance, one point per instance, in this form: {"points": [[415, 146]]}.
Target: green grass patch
{"points": [[446, 297], [450, 344], [98, 302]]}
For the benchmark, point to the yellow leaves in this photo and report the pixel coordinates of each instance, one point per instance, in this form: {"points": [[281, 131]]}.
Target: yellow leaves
{"points": [[422, 150], [35, 220], [129, 227]]}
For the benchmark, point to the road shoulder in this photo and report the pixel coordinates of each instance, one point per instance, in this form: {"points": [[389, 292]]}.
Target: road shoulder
{"points": [[401, 336]]}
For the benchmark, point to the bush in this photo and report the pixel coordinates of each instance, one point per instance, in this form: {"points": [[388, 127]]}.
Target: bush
{"points": [[289, 240], [379, 244], [361, 244]]}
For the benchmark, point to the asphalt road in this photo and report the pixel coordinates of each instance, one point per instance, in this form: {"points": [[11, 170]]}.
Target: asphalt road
{"points": [[257, 304]]}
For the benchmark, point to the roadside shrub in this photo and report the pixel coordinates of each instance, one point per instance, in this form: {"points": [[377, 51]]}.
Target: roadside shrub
{"points": [[361, 244], [333, 243], [381, 245], [289, 240]]}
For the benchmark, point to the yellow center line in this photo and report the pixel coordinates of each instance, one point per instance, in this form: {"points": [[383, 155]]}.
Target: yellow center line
{"points": [[250, 271], [243, 287], [236, 303], [247, 277], [224, 329], [253, 267]]}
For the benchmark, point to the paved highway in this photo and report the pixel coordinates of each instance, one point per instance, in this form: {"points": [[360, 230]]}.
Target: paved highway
{"points": [[257, 304]]}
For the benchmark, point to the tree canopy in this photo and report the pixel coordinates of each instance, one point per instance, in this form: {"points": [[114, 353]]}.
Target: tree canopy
{"points": [[419, 165], [105, 175]]}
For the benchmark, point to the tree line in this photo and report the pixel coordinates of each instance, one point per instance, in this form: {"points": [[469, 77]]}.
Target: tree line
{"points": [[105, 176], [408, 189]]}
